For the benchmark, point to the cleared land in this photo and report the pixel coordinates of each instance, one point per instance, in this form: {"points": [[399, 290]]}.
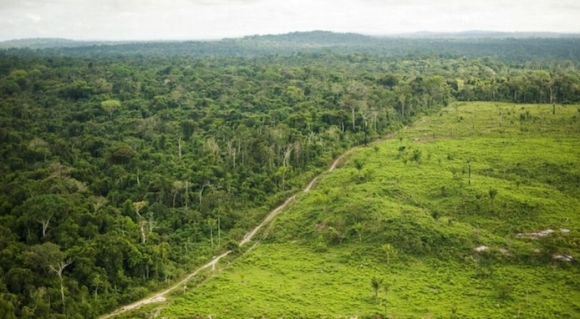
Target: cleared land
{"points": [[470, 213]]}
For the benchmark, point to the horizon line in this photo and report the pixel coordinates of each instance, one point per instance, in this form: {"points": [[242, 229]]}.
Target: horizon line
{"points": [[398, 34]]}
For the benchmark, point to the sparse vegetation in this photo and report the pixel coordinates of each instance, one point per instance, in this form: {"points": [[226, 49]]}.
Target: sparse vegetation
{"points": [[465, 263]]}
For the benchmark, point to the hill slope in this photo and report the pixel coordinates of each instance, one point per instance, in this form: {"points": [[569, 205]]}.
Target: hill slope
{"points": [[469, 213]]}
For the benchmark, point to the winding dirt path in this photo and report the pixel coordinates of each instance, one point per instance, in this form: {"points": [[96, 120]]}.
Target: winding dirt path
{"points": [[268, 218], [277, 210], [160, 297]]}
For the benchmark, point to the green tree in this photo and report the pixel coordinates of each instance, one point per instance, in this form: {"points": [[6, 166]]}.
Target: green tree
{"points": [[49, 256], [7, 309], [281, 174], [120, 153], [211, 223], [178, 186], [389, 251], [356, 94], [403, 94], [188, 127], [110, 106], [386, 289], [359, 229], [43, 208], [40, 146], [376, 284], [137, 206], [20, 77], [97, 203], [359, 165]]}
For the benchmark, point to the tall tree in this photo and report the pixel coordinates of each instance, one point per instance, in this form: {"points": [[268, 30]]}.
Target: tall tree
{"points": [[49, 256], [211, 223], [137, 206], [43, 208], [111, 106]]}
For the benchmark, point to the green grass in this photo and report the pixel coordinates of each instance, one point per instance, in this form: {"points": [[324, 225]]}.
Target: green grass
{"points": [[290, 281], [414, 193]]}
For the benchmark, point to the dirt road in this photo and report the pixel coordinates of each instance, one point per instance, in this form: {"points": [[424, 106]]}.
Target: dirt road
{"points": [[277, 210], [268, 218], [161, 296]]}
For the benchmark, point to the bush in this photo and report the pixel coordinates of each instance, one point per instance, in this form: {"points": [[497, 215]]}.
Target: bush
{"points": [[320, 246], [233, 245]]}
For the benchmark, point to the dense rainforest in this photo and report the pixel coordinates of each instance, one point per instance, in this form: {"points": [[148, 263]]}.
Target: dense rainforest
{"points": [[513, 48], [120, 172]]}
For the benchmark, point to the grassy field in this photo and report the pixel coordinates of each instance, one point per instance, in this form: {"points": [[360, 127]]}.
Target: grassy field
{"points": [[411, 212]]}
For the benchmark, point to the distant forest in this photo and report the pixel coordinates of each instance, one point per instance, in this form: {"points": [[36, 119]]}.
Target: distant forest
{"points": [[509, 48], [125, 165]]}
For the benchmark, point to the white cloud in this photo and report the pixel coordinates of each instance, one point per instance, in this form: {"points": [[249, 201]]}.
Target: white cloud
{"points": [[33, 17], [195, 19]]}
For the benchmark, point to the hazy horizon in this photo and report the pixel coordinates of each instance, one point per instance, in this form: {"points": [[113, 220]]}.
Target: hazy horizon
{"points": [[139, 20], [414, 34]]}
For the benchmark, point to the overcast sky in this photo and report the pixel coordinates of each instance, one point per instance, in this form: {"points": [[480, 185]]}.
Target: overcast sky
{"points": [[210, 19]]}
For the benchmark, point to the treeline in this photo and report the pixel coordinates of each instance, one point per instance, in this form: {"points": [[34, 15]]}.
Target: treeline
{"points": [[526, 87], [119, 173], [513, 51]]}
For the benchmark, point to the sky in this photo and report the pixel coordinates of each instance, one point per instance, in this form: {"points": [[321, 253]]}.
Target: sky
{"points": [[214, 19]]}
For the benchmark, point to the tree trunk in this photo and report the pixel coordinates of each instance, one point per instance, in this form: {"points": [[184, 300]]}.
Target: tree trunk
{"points": [[283, 181], [366, 132], [150, 222], [44, 227], [219, 231], [61, 266], [187, 195], [142, 226], [244, 152], [353, 122], [62, 293], [201, 193]]}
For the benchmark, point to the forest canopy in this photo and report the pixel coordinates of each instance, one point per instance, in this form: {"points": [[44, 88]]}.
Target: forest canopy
{"points": [[123, 166]]}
